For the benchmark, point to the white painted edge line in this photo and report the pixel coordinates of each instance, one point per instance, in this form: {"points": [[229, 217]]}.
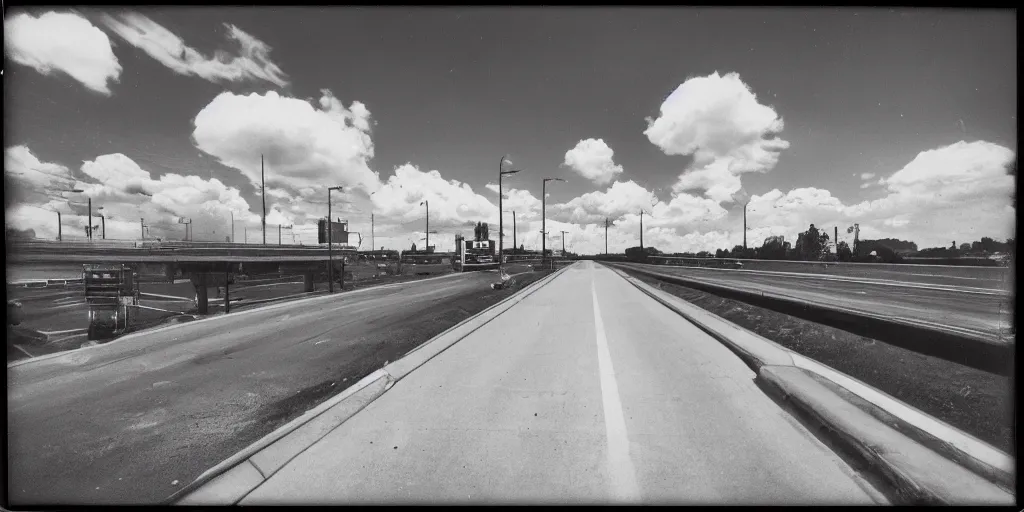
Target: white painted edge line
{"points": [[959, 439], [264, 309], [278, 434], [858, 280], [54, 333], [855, 264]]}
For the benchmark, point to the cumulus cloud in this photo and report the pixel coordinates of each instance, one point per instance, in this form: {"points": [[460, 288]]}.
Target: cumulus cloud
{"points": [[592, 159], [65, 43], [128, 193], [867, 175], [28, 180], [593, 207], [718, 120], [305, 148], [252, 61]]}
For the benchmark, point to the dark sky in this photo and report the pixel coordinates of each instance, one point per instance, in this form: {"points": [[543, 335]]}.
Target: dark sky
{"points": [[860, 90]]}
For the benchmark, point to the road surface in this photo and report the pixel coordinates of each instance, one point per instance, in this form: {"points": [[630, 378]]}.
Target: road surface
{"points": [[983, 312], [587, 391], [131, 421]]}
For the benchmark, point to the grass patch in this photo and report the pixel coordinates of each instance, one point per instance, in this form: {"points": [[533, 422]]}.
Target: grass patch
{"points": [[975, 401]]}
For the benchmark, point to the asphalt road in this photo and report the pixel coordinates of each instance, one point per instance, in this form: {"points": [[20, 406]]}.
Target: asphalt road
{"points": [[131, 421], [587, 391], [985, 312], [996, 278]]}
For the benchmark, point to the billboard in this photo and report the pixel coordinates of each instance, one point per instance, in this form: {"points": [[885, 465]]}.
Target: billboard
{"points": [[339, 232]]}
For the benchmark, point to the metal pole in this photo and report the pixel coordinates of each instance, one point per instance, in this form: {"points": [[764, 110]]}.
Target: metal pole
{"points": [[263, 179], [59, 234], [227, 294], [543, 220], [745, 227], [501, 218], [373, 242], [232, 227], [606, 236], [278, 234], [428, 222], [330, 250], [104, 221], [90, 218], [514, 240], [142, 228], [563, 243], [641, 231]]}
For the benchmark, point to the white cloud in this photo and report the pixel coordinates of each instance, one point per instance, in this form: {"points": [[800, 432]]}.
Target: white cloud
{"points": [[867, 175], [128, 193], [251, 63], [28, 180], [304, 147], [593, 207], [64, 42], [719, 121], [592, 159]]}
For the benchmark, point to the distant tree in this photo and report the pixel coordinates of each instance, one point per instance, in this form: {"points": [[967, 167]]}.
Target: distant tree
{"points": [[843, 252], [721, 253], [965, 248], [522, 247], [976, 247], [704, 254], [773, 248], [413, 246], [812, 245]]}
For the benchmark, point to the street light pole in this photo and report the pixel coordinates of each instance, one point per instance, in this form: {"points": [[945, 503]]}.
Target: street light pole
{"points": [[263, 191], [330, 244], [501, 217], [606, 236], [563, 242], [543, 218], [90, 218], [232, 226], [427, 204], [59, 238], [745, 226]]}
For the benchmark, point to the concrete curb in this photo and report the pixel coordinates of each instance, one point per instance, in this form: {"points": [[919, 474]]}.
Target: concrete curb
{"points": [[916, 474], [231, 480], [959, 456]]}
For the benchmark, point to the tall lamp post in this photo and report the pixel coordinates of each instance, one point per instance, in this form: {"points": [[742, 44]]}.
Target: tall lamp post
{"points": [[543, 217], [60, 224], [514, 237], [563, 242], [103, 223], [330, 243], [427, 204], [501, 218], [642, 212]]}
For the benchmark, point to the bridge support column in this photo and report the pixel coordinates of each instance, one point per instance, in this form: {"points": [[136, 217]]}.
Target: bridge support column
{"points": [[202, 299], [307, 281]]}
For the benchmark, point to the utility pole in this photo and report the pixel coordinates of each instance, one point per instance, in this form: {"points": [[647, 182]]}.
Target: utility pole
{"points": [[142, 228], [263, 187], [563, 242], [232, 226], [90, 218], [373, 243], [103, 220], [59, 238], [278, 234]]}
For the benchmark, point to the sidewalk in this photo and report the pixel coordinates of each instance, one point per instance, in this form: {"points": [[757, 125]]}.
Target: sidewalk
{"points": [[586, 391]]}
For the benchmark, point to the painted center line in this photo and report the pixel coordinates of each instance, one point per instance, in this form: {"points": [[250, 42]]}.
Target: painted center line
{"points": [[620, 466]]}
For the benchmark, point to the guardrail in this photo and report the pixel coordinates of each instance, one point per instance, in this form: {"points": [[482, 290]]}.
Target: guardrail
{"points": [[985, 354]]}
